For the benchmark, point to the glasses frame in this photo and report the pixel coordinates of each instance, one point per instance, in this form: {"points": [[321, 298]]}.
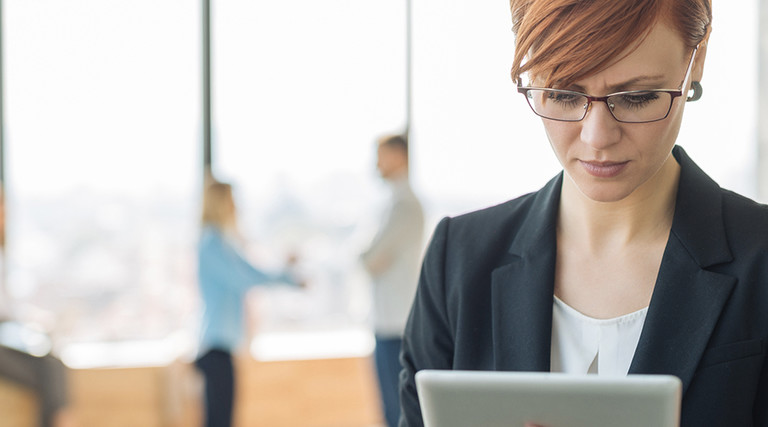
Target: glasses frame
{"points": [[590, 99]]}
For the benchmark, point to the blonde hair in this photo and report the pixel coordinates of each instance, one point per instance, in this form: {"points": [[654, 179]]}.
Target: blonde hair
{"points": [[218, 206]]}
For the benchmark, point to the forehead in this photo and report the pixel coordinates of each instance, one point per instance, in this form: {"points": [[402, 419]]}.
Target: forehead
{"points": [[663, 46], [661, 54]]}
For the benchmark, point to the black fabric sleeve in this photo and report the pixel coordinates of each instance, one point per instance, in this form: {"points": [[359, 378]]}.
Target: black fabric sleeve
{"points": [[428, 339]]}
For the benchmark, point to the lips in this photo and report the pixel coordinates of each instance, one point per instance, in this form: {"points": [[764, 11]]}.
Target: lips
{"points": [[603, 169]]}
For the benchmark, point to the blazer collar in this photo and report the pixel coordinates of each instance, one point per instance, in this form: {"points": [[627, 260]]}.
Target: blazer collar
{"points": [[698, 220], [686, 301], [522, 289]]}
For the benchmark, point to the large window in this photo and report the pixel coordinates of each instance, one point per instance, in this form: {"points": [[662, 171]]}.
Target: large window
{"points": [[302, 90], [103, 115], [102, 102]]}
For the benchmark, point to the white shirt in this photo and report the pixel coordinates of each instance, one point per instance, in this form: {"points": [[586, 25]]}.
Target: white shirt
{"points": [[582, 344]]}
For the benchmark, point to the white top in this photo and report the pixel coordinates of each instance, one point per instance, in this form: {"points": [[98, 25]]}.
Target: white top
{"points": [[583, 344]]}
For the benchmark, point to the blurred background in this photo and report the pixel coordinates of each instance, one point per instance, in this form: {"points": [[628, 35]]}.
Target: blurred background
{"points": [[103, 162]]}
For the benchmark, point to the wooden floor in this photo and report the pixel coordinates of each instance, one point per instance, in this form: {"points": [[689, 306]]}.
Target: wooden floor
{"points": [[313, 393], [308, 393], [18, 406]]}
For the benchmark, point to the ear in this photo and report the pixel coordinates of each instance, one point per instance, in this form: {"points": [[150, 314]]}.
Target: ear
{"points": [[698, 67]]}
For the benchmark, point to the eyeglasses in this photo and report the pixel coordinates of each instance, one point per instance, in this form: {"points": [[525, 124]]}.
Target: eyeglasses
{"points": [[634, 106]]}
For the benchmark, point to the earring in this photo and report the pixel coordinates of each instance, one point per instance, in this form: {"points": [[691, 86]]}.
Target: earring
{"points": [[697, 92]]}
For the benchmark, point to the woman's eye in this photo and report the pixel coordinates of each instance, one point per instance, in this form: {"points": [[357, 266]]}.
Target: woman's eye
{"points": [[564, 98], [637, 100]]}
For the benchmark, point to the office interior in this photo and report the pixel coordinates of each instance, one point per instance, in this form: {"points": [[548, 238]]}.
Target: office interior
{"points": [[112, 111]]}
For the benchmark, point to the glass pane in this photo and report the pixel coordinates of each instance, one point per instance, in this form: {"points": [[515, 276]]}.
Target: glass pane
{"points": [[476, 141], [103, 142], [733, 43], [302, 91], [557, 105], [641, 106]]}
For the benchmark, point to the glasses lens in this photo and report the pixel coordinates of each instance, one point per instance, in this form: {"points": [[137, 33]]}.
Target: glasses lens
{"points": [[557, 105], [638, 107]]}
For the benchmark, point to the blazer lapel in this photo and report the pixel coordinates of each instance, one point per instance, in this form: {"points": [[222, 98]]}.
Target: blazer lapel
{"points": [[684, 309], [687, 299], [522, 289]]}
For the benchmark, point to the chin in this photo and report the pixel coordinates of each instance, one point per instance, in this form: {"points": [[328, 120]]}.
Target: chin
{"points": [[606, 192]]}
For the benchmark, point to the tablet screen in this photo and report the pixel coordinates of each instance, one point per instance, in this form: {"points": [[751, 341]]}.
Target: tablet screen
{"points": [[511, 399]]}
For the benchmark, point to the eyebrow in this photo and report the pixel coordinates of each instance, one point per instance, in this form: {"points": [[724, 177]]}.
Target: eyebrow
{"points": [[633, 81]]}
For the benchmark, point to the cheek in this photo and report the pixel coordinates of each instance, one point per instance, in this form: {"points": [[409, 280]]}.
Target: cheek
{"points": [[659, 137], [675, 122], [561, 135]]}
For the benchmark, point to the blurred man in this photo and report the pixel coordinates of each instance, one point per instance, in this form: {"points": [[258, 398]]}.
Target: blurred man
{"points": [[392, 261]]}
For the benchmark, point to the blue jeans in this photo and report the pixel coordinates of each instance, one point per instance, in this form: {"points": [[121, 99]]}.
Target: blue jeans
{"points": [[218, 370], [387, 355]]}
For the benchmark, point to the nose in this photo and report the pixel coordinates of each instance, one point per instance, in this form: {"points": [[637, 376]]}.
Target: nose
{"points": [[599, 129]]}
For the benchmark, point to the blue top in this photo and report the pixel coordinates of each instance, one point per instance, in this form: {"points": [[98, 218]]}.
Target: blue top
{"points": [[224, 277]]}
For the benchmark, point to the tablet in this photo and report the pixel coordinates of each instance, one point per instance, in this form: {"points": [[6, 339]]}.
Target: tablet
{"points": [[511, 399]]}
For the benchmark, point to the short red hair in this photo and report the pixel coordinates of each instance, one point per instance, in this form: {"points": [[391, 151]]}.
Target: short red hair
{"points": [[563, 41]]}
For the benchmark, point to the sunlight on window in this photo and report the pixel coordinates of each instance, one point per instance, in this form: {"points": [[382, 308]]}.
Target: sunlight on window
{"points": [[103, 114], [300, 99], [102, 119]]}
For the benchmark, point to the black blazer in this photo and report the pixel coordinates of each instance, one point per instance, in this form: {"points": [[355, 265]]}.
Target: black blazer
{"points": [[485, 295]]}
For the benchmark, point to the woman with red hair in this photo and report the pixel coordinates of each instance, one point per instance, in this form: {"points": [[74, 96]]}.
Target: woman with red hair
{"points": [[632, 260]]}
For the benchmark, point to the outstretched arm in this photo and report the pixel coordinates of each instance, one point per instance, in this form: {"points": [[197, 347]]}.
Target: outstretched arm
{"points": [[219, 259]]}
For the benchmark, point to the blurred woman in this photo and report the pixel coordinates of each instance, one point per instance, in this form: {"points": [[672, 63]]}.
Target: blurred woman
{"points": [[224, 277]]}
